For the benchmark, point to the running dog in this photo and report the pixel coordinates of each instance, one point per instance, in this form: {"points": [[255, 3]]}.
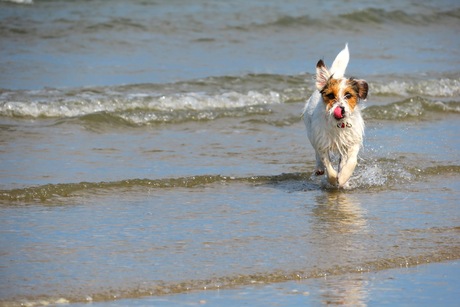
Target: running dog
{"points": [[333, 119]]}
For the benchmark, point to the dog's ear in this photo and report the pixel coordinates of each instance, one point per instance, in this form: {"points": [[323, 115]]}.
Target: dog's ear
{"points": [[363, 88], [340, 63], [322, 75]]}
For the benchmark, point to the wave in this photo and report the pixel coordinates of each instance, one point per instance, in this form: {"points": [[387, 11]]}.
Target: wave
{"points": [[168, 24], [141, 104], [19, 1], [371, 174], [162, 288], [45, 192], [213, 98], [368, 17], [412, 108], [141, 108], [381, 16], [443, 87], [116, 24]]}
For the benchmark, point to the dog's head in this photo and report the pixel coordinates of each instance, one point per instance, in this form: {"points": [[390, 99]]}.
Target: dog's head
{"points": [[340, 94]]}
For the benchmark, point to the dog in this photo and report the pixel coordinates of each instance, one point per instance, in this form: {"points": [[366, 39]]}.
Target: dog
{"points": [[333, 119]]}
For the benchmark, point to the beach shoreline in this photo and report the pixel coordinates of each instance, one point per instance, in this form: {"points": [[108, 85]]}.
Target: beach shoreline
{"points": [[425, 284]]}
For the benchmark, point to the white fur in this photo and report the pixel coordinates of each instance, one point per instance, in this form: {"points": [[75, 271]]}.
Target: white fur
{"points": [[326, 137], [339, 66]]}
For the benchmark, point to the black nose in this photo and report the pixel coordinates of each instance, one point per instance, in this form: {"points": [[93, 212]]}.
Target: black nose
{"points": [[343, 110]]}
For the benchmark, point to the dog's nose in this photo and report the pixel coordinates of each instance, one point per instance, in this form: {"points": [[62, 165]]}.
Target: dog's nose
{"points": [[343, 111]]}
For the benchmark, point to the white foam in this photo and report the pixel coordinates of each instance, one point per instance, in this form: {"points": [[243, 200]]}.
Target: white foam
{"points": [[434, 88], [84, 104], [20, 1]]}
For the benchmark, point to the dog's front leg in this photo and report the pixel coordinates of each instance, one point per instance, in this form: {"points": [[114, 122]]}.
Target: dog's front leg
{"points": [[347, 165], [330, 171], [319, 165]]}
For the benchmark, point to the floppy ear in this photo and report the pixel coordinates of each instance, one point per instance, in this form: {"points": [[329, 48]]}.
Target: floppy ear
{"points": [[322, 75], [363, 88]]}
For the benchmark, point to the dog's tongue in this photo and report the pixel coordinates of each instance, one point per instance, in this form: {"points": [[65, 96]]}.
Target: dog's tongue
{"points": [[338, 113]]}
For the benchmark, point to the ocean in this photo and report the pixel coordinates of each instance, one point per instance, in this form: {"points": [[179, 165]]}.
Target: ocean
{"points": [[153, 152]]}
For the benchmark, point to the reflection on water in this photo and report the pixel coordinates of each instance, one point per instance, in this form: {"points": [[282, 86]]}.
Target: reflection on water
{"points": [[339, 213], [345, 291], [340, 221]]}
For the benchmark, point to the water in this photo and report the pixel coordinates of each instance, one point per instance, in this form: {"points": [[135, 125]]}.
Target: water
{"points": [[422, 285], [153, 147]]}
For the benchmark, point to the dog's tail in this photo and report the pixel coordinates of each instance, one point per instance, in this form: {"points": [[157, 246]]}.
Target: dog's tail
{"points": [[340, 63]]}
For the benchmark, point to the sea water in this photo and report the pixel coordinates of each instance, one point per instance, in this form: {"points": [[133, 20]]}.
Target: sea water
{"points": [[156, 147]]}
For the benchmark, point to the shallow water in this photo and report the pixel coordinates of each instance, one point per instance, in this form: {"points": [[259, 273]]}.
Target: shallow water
{"points": [[150, 149], [421, 285]]}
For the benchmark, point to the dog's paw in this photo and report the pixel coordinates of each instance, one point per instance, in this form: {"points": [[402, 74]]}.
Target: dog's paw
{"points": [[319, 172], [332, 180]]}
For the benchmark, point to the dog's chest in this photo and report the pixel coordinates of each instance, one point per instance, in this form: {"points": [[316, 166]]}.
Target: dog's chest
{"points": [[328, 134]]}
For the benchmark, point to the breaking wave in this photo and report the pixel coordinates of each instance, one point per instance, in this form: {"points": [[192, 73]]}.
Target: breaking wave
{"points": [[143, 108], [443, 87], [412, 108], [213, 98], [140, 104], [19, 1]]}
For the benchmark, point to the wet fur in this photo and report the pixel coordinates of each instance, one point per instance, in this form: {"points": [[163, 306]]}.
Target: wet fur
{"points": [[330, 135]]}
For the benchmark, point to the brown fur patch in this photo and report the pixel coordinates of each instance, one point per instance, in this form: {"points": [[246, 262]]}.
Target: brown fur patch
{"points": [[331, 92], [322, 75], [335, 90], [363, 88]]}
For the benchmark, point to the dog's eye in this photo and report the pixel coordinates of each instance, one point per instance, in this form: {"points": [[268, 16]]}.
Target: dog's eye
{"points": [[330, 96], [347, 95]]}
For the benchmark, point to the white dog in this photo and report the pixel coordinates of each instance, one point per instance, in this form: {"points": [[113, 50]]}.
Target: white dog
{"points": [[333, 119]]}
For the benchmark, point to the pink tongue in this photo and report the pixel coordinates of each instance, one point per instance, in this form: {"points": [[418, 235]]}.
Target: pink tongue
{"points": [[338, 113]]}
